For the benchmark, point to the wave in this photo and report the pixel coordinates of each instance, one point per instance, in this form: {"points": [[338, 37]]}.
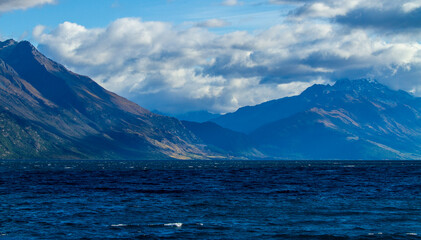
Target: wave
{"points": [[178, 225]]}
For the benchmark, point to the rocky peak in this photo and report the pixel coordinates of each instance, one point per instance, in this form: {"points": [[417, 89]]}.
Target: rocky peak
{"points": [[7, 43], [362, 84], [315, 90]]}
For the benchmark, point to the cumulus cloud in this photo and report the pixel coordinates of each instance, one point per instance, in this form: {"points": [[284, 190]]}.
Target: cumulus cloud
{"points": [[9, 5], [381, 17], [323, 10], [327, 8], [404, 19], [213, 23], [410, 6], [172, 69], [399, 15]]}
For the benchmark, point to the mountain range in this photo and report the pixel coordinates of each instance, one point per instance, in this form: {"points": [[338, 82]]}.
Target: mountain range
{"points": [[352, 119], [49, 112]]}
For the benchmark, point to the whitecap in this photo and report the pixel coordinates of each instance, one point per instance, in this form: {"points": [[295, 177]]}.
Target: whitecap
{"points": [[412, 234], [118, 225], [179, 225]]}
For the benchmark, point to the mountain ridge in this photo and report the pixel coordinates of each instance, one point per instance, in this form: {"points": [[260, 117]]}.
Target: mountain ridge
{"points": [[249, 118], [351, 119], [355, 114], [92, 121]]}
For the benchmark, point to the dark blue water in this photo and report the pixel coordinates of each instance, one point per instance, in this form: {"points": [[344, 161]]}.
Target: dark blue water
{"points": [[209, 200]]}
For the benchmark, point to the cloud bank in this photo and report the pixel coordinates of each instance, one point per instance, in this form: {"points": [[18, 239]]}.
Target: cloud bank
{"points": [[9, 5], [172, 69]]}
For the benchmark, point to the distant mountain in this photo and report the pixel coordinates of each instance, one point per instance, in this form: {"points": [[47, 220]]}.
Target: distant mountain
{"points": [[195, 116], [47, 111], [353, 119], [223, 140], [247, 119]]}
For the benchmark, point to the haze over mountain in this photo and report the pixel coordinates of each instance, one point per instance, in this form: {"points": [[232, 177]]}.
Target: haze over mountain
{"points": [[49, 112]]}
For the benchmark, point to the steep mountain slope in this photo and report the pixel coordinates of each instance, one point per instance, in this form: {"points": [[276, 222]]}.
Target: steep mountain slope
{"points": [[359, 119], [70, 116]]}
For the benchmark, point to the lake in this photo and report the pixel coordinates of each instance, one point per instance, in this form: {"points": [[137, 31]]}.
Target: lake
{"points": [[210, 199]]}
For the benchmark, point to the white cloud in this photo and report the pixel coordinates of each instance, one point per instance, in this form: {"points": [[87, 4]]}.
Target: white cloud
{"points": [[213, 23], [332, 8], [163, 67], [324, 8], [9, 5], [410, 6], [231, 3]]}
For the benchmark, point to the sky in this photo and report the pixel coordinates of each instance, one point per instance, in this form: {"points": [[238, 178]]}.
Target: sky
{"points": [[179, 56]]}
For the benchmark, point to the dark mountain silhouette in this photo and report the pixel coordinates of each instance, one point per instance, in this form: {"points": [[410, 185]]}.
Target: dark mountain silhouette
{"points": [[47, 111], [197, 116], [223, 140]]}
